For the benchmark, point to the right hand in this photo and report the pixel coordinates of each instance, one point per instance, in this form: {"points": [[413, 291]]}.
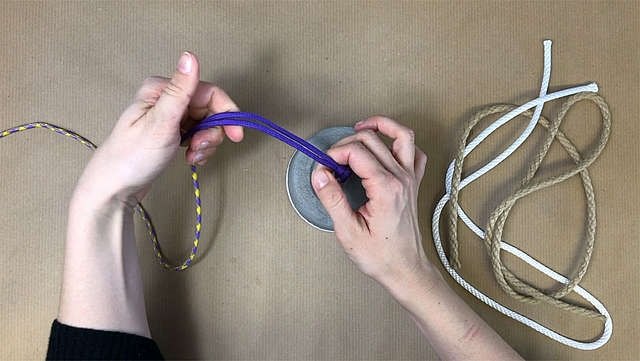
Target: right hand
{"points": [[383, 236]]}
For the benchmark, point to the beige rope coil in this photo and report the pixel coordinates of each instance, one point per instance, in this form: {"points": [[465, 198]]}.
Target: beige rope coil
{"points": [[508, 281]]}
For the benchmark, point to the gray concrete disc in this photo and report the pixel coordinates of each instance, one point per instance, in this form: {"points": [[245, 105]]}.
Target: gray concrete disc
{"points": [[301, 194]]}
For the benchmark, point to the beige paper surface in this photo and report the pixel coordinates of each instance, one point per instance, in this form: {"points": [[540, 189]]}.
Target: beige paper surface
{"points": [[267, 285]]}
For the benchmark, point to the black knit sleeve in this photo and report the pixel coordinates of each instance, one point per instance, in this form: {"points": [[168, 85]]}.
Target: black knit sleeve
{"points": [[74, 343]]}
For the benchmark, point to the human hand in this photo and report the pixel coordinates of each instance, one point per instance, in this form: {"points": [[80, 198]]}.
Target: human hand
{"points": [[147, 135], [383, 236]]}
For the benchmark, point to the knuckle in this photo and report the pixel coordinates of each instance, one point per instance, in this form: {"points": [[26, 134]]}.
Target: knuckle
{"points": [[423, 158], [388, 122], [366, 136], [149, 90], [411, 135], [379, 118], [175, 90], [394, 185], [215, 89], [407, 180], [147, 99], [358, 147], [217, 139], [398, 186], [366, 133], [151, 81], [347, 140]]}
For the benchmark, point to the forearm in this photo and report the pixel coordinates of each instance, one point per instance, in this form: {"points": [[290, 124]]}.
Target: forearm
{"points": [[452, 328], [102, 286]]}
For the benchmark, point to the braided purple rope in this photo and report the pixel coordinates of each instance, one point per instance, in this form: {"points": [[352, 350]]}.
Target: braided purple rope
{"points": [[254, 121]]}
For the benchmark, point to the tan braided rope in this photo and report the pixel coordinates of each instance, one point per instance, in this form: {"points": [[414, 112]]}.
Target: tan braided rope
{"points": [[508, 281]]}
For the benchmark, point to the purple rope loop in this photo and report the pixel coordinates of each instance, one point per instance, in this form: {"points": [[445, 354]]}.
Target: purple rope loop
{"points": [[254, 121]]}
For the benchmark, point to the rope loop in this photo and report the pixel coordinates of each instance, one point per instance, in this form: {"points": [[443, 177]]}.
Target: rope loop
{"points": [[493, 232], [508, 281]]}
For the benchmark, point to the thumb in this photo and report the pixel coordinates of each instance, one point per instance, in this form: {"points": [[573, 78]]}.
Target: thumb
{"points": [[333, 199], [177, 94]]}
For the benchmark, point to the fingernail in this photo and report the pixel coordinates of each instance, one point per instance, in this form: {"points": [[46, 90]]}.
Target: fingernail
{"points": [[185, 64], [320, 179], [198, 157], [203, 145]]}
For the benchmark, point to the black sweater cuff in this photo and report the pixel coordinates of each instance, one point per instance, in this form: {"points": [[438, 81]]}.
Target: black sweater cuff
{"points": [[75, 343]]}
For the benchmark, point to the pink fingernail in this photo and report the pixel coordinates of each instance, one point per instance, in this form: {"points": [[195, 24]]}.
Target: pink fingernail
{"points": [[185, 64], [320, 179], [203, 145]]}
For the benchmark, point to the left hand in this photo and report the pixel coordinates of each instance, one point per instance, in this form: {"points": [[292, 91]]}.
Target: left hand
{"points": [[147, 135]]}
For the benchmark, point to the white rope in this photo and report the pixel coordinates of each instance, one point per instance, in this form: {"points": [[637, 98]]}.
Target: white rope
{"points": [[539, 104]]}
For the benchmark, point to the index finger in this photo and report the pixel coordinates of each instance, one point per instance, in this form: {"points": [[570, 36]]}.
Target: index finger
{"points": [[363, 163], [403, 138], [210, 99]]}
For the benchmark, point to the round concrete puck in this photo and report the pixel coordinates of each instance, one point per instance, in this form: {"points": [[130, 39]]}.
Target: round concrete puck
{"points": [[301, 194]]}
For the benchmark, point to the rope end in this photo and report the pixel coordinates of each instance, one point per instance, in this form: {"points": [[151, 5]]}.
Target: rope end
{"points": [[342, 173]]}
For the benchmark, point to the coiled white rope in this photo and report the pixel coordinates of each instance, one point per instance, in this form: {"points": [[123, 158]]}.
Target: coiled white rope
{"points": [[539, 104]]}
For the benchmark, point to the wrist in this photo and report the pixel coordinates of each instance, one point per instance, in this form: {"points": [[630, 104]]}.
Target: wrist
{"points": [[102, 181], [101, 191], [91, 199], [414, 284]]}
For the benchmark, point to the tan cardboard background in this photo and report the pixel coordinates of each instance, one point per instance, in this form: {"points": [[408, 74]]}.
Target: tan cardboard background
{"points": [[268, 286]]}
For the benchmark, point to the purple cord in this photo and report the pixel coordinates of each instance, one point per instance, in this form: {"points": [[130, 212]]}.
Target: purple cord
{"points": [[254, 121]]}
